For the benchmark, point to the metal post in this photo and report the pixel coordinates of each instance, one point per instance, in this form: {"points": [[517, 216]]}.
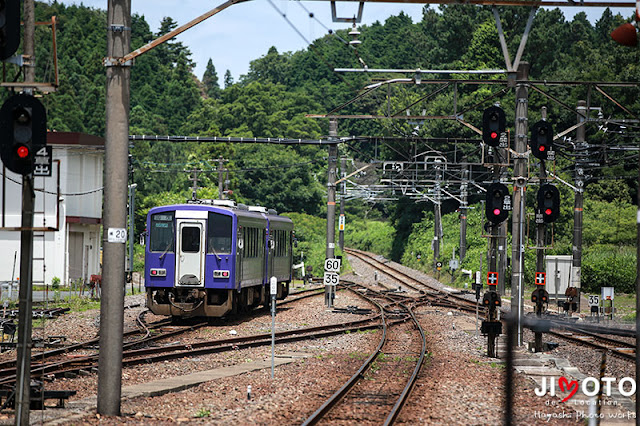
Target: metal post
{"points": [[581, 148], [463, 213], [23, 379], [132, 209], [220, 180], [331, 203], [343, 190], [520, 176], [437, 219], [23, 367], [115, 209], [541, 230], [273, 287]]}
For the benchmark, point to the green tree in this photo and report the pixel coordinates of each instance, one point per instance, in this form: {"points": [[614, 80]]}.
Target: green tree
{"points": [[210, 81], [228, 79]]}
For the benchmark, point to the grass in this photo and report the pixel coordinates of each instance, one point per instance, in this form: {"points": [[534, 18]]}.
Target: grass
{"points": [[203, 412], [625, 305]]}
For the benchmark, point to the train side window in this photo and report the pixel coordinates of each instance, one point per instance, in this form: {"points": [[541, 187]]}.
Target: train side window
{"points": [[219, 233], [190, 239], [161, 234]]}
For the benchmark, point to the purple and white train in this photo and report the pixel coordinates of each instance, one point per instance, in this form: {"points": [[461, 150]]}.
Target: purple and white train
{"points": [[210, 258]]}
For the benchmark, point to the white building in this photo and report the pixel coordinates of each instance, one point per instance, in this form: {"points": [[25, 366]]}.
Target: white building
{"points": [[70, 247]]}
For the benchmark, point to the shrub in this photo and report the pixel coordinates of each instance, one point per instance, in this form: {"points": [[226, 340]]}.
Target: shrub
{"points": [[609, 266]]}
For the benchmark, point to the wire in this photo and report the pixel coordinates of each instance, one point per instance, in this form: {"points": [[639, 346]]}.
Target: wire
{"points": [[72, 194], [311, 46]]}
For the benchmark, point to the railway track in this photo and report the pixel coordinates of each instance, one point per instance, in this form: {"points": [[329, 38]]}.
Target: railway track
{"points": [[380, 388], [575, 334], [65, 366], [581, 336], [436, 295]]}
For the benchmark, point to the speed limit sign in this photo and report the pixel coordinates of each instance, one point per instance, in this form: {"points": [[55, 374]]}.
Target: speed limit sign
{"points": [[594, 300], [331, 278], [332, 265]]}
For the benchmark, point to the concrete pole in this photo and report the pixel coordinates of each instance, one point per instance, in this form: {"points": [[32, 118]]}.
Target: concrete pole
{"points": [[463, 213], [541, 228], [581, 145], [520, 176], [637, 375], [343, 187], [23, 367], [24, 345], [114, 209], [220, 179], [331, 202]]}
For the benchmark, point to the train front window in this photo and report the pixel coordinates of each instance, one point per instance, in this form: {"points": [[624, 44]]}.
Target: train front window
{"points": [[219, 232], [190, 239], [161, 233]]}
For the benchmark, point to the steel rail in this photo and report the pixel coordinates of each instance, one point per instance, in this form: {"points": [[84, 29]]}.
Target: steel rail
{"points": [[395, 411], [383, 267], [143, 356], [340, 393]]}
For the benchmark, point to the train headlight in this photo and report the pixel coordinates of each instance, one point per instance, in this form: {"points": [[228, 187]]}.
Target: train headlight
{"points": [[158, 272], [221, 274]]}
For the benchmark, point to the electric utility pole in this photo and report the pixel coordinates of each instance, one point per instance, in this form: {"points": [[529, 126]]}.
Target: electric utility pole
{"points": [[343, 191], [114, 207], [437, 227], [463, 212], [220, 178], [581, 150], [331, 203], [520, 177]]}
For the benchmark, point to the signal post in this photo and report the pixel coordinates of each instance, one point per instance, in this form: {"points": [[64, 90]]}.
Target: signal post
{"points": [[497, 207]]}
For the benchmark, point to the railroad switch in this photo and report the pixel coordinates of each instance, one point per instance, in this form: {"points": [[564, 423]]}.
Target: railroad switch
{"points": [[353, 310]]}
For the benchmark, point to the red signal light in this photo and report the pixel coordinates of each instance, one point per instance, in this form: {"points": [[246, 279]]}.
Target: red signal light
{"points": [[548, 212], [496, 212], [542, 148], [494, 135], [22, 151]]}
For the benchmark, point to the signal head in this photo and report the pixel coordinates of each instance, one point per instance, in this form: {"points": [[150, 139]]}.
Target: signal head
{"points": [[493, 124], [541, 141], [549, 203], [495, 203]]}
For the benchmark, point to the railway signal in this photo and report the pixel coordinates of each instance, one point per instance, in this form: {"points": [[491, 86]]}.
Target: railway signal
{"points": [[541, 141], [549, 203], [23, 130], [493, 125], [9, 28], [498, 203]]}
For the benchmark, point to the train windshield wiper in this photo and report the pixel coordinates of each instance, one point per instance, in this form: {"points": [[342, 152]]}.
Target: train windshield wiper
{"points": [[167, 249]]}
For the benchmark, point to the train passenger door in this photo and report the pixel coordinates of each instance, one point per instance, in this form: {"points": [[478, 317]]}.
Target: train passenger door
{"points": [[190, 253]]}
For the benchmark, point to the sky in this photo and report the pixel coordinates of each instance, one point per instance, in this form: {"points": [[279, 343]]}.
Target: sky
{"points": [[246, 31]]}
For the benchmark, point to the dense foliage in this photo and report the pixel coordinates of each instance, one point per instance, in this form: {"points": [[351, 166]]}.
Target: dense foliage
{"points": [[281, 87]]}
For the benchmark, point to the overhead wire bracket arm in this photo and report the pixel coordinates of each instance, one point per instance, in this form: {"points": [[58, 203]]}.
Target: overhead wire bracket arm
{"points": [[356, 172], [130, 56], [355, 19]]}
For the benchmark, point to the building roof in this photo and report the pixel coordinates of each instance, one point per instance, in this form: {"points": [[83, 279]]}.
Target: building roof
{"points": [[74, 139]]}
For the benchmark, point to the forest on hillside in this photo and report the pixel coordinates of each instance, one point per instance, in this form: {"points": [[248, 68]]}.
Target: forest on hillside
{"points": [[272, 99]]}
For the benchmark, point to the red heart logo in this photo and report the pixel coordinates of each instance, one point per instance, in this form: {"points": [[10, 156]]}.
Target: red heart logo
{"points": [[568, 386]]}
